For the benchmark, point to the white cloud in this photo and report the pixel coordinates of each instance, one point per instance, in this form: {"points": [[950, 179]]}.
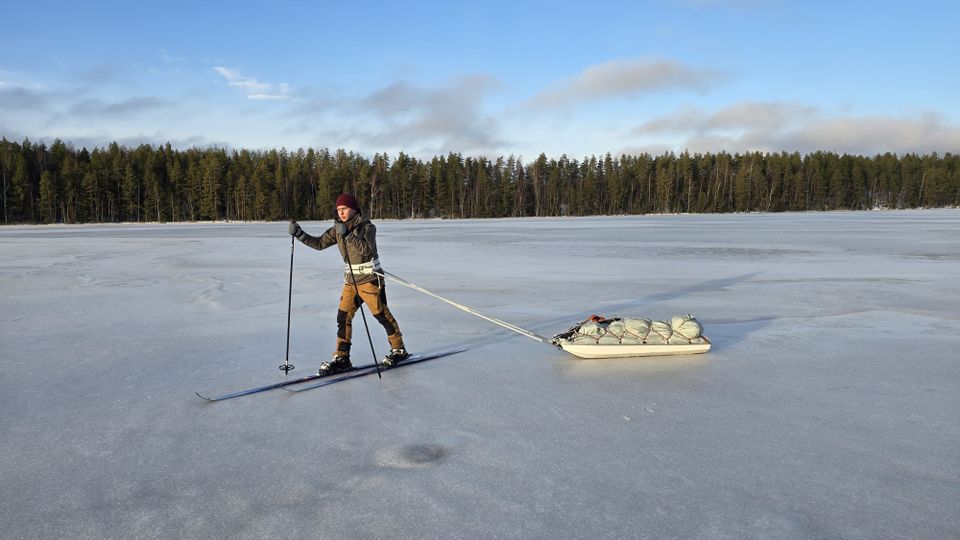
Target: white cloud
{"points": [[120, 109], [652, 149], [744, 115], [445, 118], [778, 126], [626, 78], [924, 133], [99, 76], [253, 88], [16, 98]]}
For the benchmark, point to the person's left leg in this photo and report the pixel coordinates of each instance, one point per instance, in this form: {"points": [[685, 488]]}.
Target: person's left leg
{"points": [[374, 295]]}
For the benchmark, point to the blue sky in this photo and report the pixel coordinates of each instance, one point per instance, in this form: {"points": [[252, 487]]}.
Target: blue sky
{"points": [[494, 78]]}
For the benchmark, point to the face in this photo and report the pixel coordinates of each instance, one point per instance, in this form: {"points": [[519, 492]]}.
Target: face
{"points": [[345, 213]]}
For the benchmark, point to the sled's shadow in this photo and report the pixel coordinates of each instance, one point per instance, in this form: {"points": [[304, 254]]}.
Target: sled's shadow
{"points": [[646, 306], [705, 286], [720, 332]]}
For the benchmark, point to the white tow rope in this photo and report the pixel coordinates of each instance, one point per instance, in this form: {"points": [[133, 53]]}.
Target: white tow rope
{"points": [[472, 311]]}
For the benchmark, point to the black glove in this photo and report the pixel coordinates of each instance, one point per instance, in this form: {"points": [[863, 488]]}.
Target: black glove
{"points": [[341, 228], [295, 229]]}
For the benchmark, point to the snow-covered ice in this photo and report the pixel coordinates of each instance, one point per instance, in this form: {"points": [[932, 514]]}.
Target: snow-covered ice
{"points": [[828, 407]]}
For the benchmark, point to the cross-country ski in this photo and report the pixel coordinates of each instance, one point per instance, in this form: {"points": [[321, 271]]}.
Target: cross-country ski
{"points": [[354, 372], [371, 369]]}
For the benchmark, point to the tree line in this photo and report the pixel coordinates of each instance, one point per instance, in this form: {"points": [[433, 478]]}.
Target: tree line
{"points": [[60, 184]]}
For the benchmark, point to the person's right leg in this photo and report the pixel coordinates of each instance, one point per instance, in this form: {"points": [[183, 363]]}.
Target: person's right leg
{"points": [[349, 302]]}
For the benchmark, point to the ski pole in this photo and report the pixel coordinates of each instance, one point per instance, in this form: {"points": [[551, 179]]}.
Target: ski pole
{"points": [[356, 290], [286, 367]]}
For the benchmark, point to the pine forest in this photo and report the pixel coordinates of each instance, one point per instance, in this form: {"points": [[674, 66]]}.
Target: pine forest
{"points": [[61, 184]]}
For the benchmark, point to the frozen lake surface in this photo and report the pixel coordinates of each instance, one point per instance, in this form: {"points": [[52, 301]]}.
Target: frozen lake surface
{"points": [[828, 407]]}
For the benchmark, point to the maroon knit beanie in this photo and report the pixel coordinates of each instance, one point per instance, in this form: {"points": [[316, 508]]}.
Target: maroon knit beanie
{"points": [[345, 199]]}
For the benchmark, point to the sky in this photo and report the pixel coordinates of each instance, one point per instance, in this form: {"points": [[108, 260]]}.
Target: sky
{"points": [[490, 78]]}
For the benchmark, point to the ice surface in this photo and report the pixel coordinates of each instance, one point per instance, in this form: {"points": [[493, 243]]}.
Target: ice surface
{"points": [[828, 407]]}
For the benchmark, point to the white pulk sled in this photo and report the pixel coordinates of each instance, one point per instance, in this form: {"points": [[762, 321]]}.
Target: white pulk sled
{"points": [[599, 337]]}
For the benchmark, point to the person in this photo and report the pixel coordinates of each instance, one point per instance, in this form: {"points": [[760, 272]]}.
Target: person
{"points": [[356, 237]]}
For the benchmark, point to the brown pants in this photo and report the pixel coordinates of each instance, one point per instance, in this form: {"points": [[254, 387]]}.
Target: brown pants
{"points": [[375, 296]]}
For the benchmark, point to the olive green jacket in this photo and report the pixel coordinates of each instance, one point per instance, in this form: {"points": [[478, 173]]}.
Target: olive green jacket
{"points": [[357, 247]]}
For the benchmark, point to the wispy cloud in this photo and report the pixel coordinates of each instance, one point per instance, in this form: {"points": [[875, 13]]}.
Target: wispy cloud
{"points": [[778, 126], [923, 133], [449, 117], [745, 115], [253, 88], [102, 137], [627, 78], [98, 75], [119, 109], [155, 139], [15, 98], [397, 99]]}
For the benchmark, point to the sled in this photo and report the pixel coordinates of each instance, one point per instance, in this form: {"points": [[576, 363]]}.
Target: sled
{"points": [[600, 337], [621, 350]]}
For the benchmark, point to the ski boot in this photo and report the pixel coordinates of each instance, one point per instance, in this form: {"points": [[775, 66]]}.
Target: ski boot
{"points": [[395, 356], [338, 364]]}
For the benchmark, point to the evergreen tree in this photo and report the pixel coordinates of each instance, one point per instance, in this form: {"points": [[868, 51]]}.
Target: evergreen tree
{"points": [[131, 188], [48, 198], [19, 192], [213, 166]]}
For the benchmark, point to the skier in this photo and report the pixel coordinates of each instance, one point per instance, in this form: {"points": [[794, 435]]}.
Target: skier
{"points": [[355, 236]]}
